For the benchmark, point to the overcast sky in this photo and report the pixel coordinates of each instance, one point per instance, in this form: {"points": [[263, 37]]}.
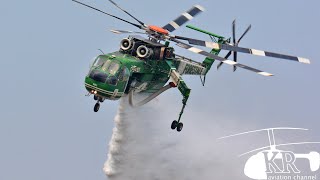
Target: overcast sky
{"points": [[48, 129]]}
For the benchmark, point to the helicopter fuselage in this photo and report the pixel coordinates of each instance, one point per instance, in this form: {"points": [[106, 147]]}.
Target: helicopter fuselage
{"points": [[142, 65], [124, 73]]}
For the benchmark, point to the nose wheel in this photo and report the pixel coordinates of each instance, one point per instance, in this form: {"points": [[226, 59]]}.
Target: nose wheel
{"points": [[96, 107], [176, 125]]}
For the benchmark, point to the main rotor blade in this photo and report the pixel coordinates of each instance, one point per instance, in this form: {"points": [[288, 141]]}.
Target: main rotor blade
{"points": [[256, 52], [127, 13], [204, 53], [124, 32], [245, 32], [175, 24], [136, 25]]}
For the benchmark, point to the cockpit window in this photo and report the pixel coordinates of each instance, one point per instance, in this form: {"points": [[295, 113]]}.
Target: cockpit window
{"points": [[112, 80], [111, 67], [106, 65], [98, 76], [108, 72], [124, 74], [99, 62]]}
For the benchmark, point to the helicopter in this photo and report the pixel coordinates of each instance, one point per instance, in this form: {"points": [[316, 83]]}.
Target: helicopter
{"points": [[149, 64]]}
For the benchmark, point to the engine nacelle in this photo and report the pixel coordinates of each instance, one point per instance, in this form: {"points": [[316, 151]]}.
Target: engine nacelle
{"points": [[126, 44], [144, 52]]}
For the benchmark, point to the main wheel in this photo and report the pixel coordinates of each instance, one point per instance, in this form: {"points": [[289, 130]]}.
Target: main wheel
{"points": [[95, 97], [174, 124], [96, 107], [179, 127]]}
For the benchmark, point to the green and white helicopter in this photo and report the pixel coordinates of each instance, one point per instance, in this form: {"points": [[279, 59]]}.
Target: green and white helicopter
{"points": [[149, 65]]}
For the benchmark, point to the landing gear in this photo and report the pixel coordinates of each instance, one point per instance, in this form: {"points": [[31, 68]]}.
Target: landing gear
{"points": [[96, 107], [98, 100], [175, 124], [180, 126]]}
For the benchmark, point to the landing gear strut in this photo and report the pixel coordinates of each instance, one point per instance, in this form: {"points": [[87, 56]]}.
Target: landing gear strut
{"points": [[177, 124]]}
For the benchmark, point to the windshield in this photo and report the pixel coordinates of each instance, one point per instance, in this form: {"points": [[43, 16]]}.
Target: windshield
{"points": [[124, 74], [98, 76], [111, 67], [99, 61]]}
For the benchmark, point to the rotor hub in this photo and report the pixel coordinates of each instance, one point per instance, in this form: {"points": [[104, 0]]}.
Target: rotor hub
{"points": [[159, 30]]}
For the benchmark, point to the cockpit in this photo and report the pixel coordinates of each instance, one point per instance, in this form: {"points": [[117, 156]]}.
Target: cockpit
{"points": [[108, 71], [111, 67]]}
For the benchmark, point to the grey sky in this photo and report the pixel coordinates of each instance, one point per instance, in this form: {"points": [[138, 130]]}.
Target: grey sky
{"points": [[47, 126]]}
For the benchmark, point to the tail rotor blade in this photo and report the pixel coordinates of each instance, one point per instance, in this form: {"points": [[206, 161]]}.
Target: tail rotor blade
{"points": [[219, 65], [235, 43], [234, 31], [245, 32], [226, 57], [235, 60]]}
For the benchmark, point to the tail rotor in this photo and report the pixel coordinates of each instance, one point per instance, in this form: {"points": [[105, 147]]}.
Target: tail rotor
{"points": [[235, 43]]}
